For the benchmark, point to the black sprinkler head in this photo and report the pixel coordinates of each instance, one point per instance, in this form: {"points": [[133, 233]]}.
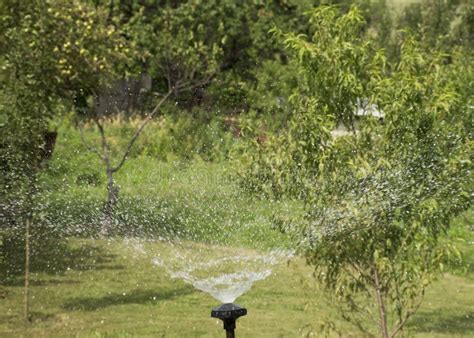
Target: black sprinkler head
{"points": [[229, 313]]}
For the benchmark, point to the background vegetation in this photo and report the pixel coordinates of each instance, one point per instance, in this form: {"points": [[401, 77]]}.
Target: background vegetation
{"points": [[212, 122]]}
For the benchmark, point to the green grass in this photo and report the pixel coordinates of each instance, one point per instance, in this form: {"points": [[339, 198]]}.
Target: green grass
{"points": [[109, 292], [96, 288], [93, 288], [196, 200]]}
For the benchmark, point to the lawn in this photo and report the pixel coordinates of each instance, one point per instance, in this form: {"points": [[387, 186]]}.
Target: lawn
{"points": [[97, 288], [88, 287]]}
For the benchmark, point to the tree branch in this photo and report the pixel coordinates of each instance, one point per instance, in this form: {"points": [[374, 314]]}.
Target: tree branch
{"points": [[188, 86], [361, 271], [380, 304], [105, 147], [140, 129], [407, 316], [168, 75]]}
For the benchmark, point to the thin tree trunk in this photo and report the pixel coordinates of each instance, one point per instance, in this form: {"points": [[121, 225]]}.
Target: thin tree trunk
{"points": [[105, 156], [27, 271], [381, 305], [110, 204], [112, 189]]}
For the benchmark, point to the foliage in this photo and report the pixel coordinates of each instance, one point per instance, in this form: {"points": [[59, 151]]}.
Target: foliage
{"points": [[379, 199], [228, 81], [440, 24], [338, 67], [51, 54], [74, 45], [184, 55], [225, 40]]}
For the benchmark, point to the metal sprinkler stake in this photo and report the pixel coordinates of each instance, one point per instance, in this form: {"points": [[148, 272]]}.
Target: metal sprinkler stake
{"points": [[229, 313]]}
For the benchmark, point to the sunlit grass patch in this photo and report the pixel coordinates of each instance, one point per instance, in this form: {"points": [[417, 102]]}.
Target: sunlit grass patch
{"points": [[111, 288]]}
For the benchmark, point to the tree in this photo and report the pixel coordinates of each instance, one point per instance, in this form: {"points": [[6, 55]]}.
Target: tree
{"points": [[51, 53], [440, 24], [379, 199], [334, 73], [68, 41], [180, 53]]}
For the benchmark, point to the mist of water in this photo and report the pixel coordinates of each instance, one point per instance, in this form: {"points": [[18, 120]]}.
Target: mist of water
{"points": [[226, 278], [223, 272]]}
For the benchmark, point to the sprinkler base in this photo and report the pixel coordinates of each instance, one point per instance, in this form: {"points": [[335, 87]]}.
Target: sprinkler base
{"points": [[229, 313]]}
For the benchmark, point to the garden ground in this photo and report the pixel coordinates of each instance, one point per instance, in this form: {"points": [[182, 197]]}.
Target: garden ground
{"points": [[97, 288]]}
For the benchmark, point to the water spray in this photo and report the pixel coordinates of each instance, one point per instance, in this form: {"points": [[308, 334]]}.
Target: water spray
{"points": [[228, 313]]}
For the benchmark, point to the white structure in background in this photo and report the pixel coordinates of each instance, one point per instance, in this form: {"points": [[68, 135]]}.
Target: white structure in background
{"points": [[363, 108]]}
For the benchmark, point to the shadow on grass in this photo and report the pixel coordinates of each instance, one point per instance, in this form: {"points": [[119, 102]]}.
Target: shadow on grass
{"points": [[41, 282], [51, 254], [134, 297], [40, 316], [439, 322]]}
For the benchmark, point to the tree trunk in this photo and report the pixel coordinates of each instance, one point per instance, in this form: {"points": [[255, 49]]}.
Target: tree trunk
{"points": [[112, 189], [110, 204], [27, 271], [381, 305]]}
